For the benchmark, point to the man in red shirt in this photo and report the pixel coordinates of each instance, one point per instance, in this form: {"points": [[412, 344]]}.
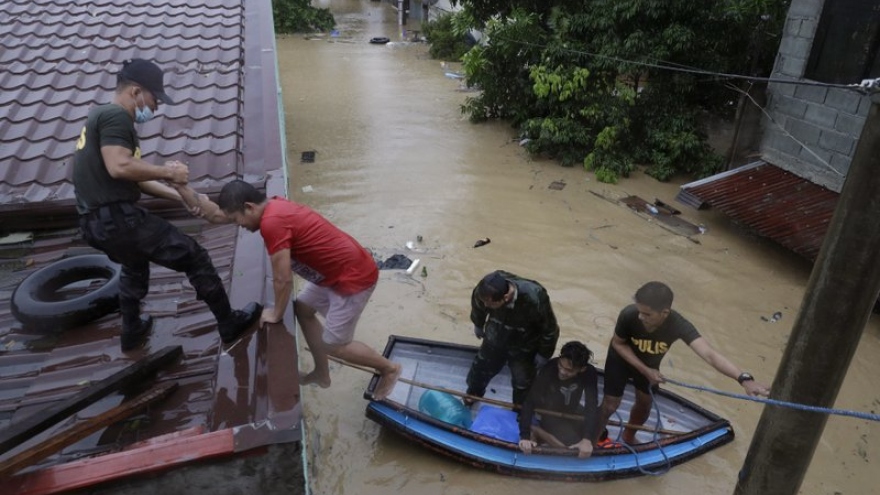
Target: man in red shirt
{"points": [[340, 277]]}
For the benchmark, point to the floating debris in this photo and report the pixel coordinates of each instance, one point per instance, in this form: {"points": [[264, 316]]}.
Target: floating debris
{"points": [[482, 242], [413, 266], [773, 319]]}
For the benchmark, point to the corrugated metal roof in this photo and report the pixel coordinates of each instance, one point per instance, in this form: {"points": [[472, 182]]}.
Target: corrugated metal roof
{"points": [[775, 203], [57, 59]]}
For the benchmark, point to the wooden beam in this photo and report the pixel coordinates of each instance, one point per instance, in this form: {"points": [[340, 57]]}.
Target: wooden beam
{"points": [[17, 433], [153, 458], [83, 429]]}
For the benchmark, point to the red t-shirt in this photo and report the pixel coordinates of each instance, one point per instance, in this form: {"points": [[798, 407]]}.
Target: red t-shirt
{"points": [[320, 252]]}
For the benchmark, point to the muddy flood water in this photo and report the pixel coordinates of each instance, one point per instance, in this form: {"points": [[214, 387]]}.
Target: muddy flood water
{"points": [[396, 160]]}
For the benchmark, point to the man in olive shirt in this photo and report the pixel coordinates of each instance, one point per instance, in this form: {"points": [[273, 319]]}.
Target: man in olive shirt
{"points": [[514, 318], [109, 177], [643, 334]]}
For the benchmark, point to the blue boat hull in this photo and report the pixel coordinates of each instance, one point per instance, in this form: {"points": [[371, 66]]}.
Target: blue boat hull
{"points": [[400, 415]]}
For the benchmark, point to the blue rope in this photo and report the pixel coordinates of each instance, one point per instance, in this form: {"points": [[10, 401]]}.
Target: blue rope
{"points": [[781, 403], [655, 439]]}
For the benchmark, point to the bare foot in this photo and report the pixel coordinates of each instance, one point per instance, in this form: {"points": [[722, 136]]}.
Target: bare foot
{"points": [[387, 382], [313, 379]]}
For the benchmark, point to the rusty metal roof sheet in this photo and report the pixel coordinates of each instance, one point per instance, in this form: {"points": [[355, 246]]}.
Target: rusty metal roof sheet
{"points": [[775, 203], [57, 59]]}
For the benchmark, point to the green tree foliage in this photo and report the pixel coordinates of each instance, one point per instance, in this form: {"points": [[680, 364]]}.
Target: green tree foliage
{"points": [[584, 81], [298, 16], [501, 69], [447, 43]]}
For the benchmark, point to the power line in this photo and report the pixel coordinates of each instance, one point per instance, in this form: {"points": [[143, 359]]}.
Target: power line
{"points": [[785, 131], [863, 87]]}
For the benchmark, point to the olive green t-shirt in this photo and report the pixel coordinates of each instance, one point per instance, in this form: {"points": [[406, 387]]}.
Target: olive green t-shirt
{"points": [[107, 125], [650, 347]]}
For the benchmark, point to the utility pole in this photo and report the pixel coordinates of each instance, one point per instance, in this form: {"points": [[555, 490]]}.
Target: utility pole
{"points": [[401, 16], [842, 289]]}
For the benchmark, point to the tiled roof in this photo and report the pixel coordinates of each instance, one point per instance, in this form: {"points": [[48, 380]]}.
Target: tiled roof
{"points": [[775, 203], [59, 58]]}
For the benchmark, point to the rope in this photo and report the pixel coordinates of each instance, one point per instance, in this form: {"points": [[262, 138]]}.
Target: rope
{"points": [[781, 403], [664, 469], [655, 439]]}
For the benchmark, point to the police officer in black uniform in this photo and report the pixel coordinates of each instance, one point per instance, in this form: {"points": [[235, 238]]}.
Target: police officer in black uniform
{"points": [[109, 177]]}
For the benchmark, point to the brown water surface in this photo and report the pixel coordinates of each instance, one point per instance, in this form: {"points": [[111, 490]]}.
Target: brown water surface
{"points": [[397, 160]]}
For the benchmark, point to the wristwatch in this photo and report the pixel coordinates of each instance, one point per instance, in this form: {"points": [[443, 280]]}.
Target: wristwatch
{"points": [[744, 377]]}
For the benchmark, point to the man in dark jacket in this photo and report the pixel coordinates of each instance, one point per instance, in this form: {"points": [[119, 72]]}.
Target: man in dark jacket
{"points": [[558, 388], [109, 177], [515, 320]]}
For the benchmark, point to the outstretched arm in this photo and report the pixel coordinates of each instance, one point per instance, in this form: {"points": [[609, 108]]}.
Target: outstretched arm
{"points": [[726, 367], [201, 205], [282, 283], [160, 190], [122, 164], [619, 344]]}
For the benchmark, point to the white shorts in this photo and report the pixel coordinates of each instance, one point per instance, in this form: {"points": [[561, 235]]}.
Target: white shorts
{"points": [[341, 313]]}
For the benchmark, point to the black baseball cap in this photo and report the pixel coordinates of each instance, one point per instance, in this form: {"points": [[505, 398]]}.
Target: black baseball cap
{"points": [[147, 75]]}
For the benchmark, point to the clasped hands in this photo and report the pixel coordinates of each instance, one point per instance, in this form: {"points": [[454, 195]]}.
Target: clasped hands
{"points": [[179, 172]]}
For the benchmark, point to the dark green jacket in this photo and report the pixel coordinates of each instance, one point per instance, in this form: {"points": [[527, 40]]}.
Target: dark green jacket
{"points": [[528, 326]]}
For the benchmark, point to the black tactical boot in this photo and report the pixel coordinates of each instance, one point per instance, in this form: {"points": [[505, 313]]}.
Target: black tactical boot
{"points": [[135, 336], [234, 326]]}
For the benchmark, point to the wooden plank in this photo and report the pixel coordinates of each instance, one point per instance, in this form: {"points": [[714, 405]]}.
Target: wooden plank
{"points": [[169, 437], [150, 459], [17, 433], [81, 430]]}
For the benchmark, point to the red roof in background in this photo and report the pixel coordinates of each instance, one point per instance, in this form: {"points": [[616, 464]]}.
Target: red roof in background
{"points": [[775, 203], [57, 59]]}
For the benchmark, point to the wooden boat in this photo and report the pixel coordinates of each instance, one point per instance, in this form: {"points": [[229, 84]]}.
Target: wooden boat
{"points": [[688, 429]]}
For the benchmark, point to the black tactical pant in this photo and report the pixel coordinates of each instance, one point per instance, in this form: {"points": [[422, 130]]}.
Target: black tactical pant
{"points": [[133, 237], [489, 361]]}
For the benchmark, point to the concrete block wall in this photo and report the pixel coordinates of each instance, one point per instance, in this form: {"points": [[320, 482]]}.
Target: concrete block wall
{"points": [[812, 131]]}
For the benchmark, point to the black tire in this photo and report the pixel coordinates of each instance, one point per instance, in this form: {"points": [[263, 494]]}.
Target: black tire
{"points": [[37, 304], [380, 40]]}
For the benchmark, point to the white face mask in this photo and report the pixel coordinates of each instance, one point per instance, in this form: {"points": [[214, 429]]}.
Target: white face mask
{"points": [[142, 114]]}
